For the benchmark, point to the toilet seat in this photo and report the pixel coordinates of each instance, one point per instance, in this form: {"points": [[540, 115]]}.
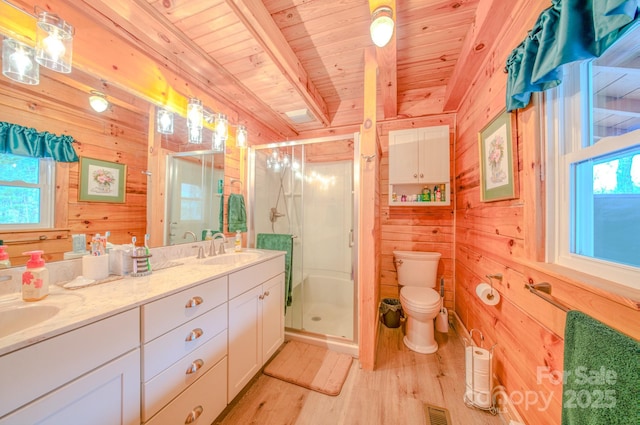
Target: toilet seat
{"points": [[419, 298]]}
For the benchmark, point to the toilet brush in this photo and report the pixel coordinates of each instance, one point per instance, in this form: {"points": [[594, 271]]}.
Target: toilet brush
{"points": [[442, 319]]}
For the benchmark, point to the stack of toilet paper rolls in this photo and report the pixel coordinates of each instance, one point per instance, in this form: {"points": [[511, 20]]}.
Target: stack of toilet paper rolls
{"points": [[478, 376]]}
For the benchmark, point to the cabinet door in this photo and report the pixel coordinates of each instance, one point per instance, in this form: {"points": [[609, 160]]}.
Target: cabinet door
{"points": [[403, 156], [272, 316], [109, 395], [433, 151], [245, 340]]}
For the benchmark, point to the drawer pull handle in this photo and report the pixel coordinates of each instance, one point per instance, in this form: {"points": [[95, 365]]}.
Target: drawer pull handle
{"points": [[194, 302], [261, 297], [194, 334], [266, 294], [195, 366], [194, 415]]}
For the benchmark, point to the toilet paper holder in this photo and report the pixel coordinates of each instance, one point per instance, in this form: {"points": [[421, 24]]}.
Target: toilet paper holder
{"points": [[497, 276], [478, 394]]}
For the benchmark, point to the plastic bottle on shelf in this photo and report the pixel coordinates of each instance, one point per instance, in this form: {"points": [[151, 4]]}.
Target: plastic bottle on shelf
{"points": [[4, 258], [238, 242], [35, 279]]}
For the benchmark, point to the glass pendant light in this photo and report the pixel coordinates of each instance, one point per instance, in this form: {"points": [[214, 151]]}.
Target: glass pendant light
{"points": [[18, 62], [54, 42], [195, 115], [217, 144], [164, 121], [221, 126], [241, 136], [381, 26]]}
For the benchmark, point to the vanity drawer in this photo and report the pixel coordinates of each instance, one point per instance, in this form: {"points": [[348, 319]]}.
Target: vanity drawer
{"points": [[162, 352], [165, 314], [162, 389], [243, 280], [202, 401]]}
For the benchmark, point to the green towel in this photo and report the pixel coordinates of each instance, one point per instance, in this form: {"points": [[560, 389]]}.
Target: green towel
{"points": [[602, 373], [237, 214], [280, 242], [221, 214]]}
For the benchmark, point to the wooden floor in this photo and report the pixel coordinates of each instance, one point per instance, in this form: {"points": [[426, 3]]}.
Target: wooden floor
{"points": [[393, 393]]}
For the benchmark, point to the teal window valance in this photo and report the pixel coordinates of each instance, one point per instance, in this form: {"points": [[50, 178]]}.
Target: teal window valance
{"points": [[18, 140], [568, 31]]}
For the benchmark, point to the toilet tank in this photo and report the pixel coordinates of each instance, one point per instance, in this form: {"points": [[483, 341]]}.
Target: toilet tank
{"points": [[417, 268]]}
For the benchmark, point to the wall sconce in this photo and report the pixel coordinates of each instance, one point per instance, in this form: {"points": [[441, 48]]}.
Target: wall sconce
{"points": [[18, 62], [195, 115], [98, 101], [54, 42], [221, 128], [381, 26], [217, 144], [164, 121], [241, 136]]}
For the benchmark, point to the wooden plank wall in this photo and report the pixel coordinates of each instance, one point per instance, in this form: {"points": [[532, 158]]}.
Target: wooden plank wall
{"points": [[118, 135], [425, 228], [507, 237]]}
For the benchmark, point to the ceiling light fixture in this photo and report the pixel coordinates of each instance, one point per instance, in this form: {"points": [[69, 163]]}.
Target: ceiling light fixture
{"points": [[195, 115], [98, 101], [54, 42], [18, 62], [164, 121], [382, 26], [241, 136]]}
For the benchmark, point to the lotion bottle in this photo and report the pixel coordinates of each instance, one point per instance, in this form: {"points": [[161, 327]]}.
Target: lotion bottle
{"points": [[35, 279], [238, 242]]}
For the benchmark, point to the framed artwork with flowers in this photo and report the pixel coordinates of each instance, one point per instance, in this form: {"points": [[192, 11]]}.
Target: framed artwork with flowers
{"points": [[102, 181], [496, 160]]}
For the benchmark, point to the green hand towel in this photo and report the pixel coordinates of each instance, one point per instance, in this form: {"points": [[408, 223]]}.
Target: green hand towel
{"points": [[221, 214], [602, 372], [280, 242], [237, 214]]}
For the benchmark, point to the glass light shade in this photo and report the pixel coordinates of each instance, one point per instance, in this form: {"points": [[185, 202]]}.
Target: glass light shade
{"points": [[381, 26], [54, 42], [164, 121], [98, 101], [195, 115], [221, 126], [217, 144], [18, 62], [241, 136]]}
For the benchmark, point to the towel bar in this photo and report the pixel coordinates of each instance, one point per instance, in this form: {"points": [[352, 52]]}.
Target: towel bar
{"points": [[538, 288]]}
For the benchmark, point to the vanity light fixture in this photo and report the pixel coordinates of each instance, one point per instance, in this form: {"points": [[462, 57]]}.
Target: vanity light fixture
{"points": [[241, 136], [221, 127], [164, 121], [18, 62], [217, 144], [195, 115], [54, 42], [98, 101], [381, 26]]}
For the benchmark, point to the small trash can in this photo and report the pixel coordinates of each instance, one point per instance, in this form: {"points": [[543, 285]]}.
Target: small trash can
{"points": [[390, 312]]}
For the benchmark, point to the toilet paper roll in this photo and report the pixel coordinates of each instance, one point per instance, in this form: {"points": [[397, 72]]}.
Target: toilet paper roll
{"points": [[478, 369], [487, 295], [95, 267]]}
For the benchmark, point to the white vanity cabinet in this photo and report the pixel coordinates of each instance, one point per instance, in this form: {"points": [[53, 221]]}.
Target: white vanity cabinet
{"points": [[256, 320], [418, 157], [184, 355], [90, 375]]}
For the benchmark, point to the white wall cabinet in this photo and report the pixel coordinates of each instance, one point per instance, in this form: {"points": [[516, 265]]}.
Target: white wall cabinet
{"points": [[256, 321], [418, 157]]}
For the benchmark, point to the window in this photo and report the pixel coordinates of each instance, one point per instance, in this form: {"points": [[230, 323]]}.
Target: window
{"points": [[26, 192], [593, 134]]}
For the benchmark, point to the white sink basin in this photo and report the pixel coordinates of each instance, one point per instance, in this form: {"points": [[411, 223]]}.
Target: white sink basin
{"points": [[16, 319], [233, 258]]}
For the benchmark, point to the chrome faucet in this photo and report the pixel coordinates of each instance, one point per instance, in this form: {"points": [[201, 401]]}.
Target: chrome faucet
{"points": [[195, 238], [212, 249]]}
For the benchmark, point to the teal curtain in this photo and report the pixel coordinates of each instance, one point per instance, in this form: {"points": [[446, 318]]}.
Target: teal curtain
{"points": [[18, 140], [568, 31]]}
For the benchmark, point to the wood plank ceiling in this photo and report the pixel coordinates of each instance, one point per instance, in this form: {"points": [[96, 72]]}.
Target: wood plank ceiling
{"points": [[264, 59]]}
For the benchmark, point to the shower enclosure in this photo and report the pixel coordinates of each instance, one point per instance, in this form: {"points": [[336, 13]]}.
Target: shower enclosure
{"points": [[307, 190]]}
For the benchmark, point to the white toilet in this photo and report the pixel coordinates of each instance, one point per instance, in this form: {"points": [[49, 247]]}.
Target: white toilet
{"points": [[421, 303]]}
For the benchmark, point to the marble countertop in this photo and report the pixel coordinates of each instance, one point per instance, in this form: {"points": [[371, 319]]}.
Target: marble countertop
{"points": [[79, 307]]}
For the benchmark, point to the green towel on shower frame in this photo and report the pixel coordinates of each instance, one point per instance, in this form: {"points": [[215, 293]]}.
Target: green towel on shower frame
{"points": [[237, 214], [280, 242], [602, 372]]}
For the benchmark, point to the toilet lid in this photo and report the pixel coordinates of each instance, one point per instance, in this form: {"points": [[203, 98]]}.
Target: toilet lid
{"points": [[420, 297]]}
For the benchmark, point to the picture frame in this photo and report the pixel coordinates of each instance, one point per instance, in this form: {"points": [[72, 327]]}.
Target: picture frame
{"points": [[102, 181], [497, 180]]}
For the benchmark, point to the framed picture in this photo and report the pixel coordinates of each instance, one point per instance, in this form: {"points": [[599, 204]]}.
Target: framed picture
{"points": [[496, 160], [102, 181]]}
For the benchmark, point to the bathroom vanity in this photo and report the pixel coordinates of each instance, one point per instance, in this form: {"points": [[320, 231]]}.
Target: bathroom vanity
{"points": [[155, 349]]}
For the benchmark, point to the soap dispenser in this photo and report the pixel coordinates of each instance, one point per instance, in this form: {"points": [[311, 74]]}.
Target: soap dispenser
{"points": [[238, 242], [35, 279], [4, 258]]}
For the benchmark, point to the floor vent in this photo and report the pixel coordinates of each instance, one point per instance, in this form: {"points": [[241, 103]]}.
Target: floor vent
{"points": [[436, 415]]}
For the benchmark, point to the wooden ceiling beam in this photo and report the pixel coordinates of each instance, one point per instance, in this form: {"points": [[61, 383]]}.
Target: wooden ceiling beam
{"points": [[388, 65], [258, 21]]}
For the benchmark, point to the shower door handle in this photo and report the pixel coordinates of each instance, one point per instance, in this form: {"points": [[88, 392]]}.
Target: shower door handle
{"points": [[351, 238]]}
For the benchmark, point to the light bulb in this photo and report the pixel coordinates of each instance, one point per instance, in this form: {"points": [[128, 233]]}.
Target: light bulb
{"points": [[382, 26], [221, 126], [54, 46], [22, 61]]}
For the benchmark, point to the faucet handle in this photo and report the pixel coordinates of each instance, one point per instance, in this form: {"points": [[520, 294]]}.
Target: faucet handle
{"points": [[200, 251], [221, 249], [212, 248]]}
